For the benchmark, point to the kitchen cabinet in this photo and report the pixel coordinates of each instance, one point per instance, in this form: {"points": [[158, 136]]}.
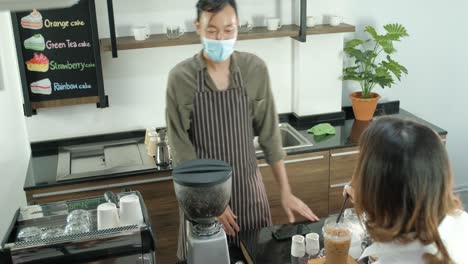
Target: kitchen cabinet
{"points": [[157, 190], [317, 178], [308, 176], [342, 164]]}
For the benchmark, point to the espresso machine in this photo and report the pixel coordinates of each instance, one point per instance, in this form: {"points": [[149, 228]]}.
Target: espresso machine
{"points": [[203, 189]]}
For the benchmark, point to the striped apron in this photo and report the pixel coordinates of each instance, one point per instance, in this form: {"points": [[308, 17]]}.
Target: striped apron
{"points": [[221, 128]]}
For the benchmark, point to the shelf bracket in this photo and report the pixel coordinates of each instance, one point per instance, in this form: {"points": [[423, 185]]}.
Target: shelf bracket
{"points": [[110, 11], [302, 37], [103, 103]]}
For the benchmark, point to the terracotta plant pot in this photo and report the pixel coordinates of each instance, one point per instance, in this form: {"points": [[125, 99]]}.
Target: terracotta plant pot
{"points": [[364, 108]]}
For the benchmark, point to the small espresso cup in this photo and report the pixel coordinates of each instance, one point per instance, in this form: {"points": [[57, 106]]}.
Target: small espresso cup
{"points": [[174, 32], [335, 20], [140, 33], [311, 21], [273, 24], [298, 248], [312, 244]]}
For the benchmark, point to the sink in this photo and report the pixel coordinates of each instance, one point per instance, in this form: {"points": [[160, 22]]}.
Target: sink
{"points": [[96, 159], [290, 138]]}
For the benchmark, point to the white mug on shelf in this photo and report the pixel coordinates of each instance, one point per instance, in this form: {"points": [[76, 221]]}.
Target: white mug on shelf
{"points": [[141, 33], [130, 210], [107, 216], [335, 20], [311, 21], [273, 24]]}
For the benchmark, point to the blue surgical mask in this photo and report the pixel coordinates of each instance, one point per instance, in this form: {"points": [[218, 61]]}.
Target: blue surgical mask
{"points": [[218, 50]]}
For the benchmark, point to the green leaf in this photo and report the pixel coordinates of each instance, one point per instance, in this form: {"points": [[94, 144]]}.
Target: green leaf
{"points": [[387, 46], [357, 54], [394, 67], [352, 78], [395, 32], [351, 70], [382, 77], [370, 55], [402, 68], [353, 43], [371, 30]]}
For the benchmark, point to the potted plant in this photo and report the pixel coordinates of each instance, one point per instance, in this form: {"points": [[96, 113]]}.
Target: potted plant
{"points": [[373, 65]]}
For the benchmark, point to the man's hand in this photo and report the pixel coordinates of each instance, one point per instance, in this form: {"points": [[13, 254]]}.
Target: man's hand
{"points": [[228, 219], [293, 204], [348, 190]]}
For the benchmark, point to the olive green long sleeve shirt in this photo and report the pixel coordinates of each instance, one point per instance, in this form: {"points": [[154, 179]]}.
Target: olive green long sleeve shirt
{"points": [[181, 89]]}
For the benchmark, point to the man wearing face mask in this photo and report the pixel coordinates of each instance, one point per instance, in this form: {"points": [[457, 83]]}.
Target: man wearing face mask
{"points": [[217, 101]]}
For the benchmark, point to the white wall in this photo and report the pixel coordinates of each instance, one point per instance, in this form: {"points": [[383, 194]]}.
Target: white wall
{"points": [[136, 81], [14, 145], [436, 56]]}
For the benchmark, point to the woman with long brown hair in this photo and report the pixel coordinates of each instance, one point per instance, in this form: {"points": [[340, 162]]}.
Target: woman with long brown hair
{"points": [[402, 187]]}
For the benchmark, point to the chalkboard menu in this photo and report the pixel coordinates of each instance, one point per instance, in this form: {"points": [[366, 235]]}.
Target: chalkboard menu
{"points": [[58, 57]]}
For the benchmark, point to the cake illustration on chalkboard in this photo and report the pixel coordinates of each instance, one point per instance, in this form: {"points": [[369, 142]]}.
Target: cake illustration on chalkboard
{"points": [[41, 87], [32, 21], [35, 42], [39, 63]]}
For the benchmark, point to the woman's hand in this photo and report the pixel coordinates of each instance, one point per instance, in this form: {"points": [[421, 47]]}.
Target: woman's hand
{"points": [[293, 204], [349, 190], [228, 219]]}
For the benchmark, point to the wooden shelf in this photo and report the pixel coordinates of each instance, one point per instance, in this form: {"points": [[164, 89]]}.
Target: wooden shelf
{"points": [[161, 40]]}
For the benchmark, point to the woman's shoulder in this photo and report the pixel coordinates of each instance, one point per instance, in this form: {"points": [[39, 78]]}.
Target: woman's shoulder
{"points": [[454, 232], [457, 217]]}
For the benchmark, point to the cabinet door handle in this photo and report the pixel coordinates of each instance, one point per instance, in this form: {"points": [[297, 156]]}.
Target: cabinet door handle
{"points": [[261, 165], [346, 153], [339, 185]]}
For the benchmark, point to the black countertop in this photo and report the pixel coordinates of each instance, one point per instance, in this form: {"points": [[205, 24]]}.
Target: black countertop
{"points": [[259, 246], [43, 165]]}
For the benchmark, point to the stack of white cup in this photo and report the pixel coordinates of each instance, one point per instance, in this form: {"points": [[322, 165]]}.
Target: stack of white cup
{"points": [[128, 213]]}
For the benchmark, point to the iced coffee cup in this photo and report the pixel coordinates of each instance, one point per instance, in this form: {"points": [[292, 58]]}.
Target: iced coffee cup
{"points": [[337, 240]]}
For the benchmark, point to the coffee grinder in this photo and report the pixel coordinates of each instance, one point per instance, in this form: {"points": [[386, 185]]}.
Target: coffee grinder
{"points": [[203, 189]]}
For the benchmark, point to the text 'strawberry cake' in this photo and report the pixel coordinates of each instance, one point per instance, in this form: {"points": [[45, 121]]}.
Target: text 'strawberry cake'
{"points": [[41, 87], [32, 21], [39, 63], [35, 42]]}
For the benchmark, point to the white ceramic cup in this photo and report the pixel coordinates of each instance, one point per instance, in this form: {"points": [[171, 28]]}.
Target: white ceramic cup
{"points": [[130, 210], [141, 33], [107, 216], [335, 20], [312, 244], [311, 21], [298, 246], [273, 24]]}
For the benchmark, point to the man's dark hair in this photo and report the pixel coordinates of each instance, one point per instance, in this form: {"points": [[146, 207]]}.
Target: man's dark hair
{"points": [[214, 6]]}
